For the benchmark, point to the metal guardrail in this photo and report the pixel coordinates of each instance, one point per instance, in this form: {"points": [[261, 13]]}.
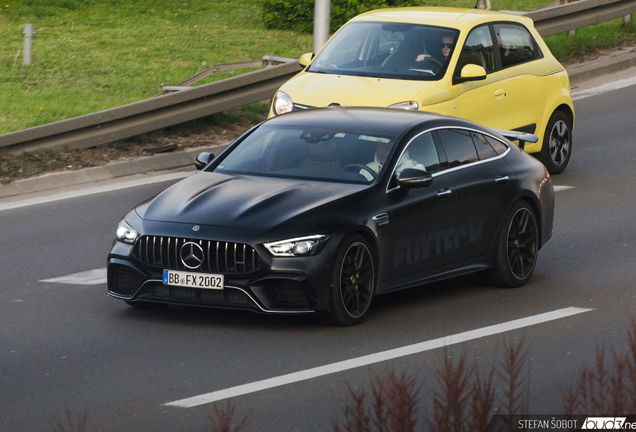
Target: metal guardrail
{"points": [[576, 15], [189, 103], [151, 114]]}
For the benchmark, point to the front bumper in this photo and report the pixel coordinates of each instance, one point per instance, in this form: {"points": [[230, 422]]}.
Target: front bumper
{"points": [[279, 285]]}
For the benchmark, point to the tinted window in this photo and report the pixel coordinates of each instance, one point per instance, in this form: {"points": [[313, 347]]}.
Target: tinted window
{"points": [[339, 155], [515, 44], [421, 153], [459, 146], [497, 145], [484, 150], [478, 50]]}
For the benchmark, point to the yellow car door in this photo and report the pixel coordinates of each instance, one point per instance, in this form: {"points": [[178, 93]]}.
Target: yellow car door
{"points": [[484, 101], [528, 85]]}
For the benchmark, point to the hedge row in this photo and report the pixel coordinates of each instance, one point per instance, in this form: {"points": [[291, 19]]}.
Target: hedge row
{"points": [[298, 15]]}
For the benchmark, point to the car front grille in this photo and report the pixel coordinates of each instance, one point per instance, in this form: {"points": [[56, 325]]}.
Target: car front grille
{"points": [[219, 257]]}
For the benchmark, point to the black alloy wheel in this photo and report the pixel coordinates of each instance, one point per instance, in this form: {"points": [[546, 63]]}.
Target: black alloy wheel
{"points": [[557, 143], [522, 244], [517, 249], [354, 282]]}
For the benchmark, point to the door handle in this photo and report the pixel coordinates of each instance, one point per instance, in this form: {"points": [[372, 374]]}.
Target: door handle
{"points": [[444, 193], [502, 179], [500, 92]]}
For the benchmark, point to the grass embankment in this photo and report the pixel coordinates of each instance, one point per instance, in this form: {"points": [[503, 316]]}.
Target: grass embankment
{"points": [[90, 55]]}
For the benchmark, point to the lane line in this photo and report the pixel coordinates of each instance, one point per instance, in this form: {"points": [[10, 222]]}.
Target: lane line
{"points": [[95, 190], [91, 277], [562, 188], [604, 88], [374, 358]]}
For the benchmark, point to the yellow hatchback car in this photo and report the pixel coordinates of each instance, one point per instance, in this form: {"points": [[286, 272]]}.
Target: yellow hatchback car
{"points": [[489, 67]]}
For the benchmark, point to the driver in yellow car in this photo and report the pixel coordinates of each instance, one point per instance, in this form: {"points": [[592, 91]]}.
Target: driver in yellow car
{"points": [[447, 43]]}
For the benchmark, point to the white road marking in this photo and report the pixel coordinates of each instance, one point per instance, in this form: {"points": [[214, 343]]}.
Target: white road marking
{"points": [[91, 277], [562, 188], [375, 358], [608, 87], [95, 190]]}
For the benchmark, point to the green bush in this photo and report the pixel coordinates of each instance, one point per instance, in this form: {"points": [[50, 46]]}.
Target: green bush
{"points": [[298, 15]]}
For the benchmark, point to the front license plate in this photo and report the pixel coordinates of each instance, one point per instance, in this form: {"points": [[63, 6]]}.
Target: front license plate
{"points": [[193, 280]]}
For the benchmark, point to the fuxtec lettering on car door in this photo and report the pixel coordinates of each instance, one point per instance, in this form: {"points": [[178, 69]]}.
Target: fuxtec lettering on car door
{"points": [[483, 184], [424, 223]]}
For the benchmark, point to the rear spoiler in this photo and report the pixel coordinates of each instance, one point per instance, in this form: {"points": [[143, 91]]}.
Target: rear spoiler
{"points": [[522, 137]]}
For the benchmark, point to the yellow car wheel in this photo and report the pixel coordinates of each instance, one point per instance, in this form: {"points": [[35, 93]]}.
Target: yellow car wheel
{"points": [[557, 143]]}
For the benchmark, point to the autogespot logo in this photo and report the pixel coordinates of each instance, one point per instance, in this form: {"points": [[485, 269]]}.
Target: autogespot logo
{"points": [[607, 423], [191, 255]]}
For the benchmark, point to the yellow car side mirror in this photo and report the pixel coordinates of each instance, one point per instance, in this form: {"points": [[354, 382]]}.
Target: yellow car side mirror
{"points": [[472, 72], [306, 59]]}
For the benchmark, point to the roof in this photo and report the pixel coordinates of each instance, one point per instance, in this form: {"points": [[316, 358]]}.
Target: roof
{"points": [[439, 16], [385, 121]]}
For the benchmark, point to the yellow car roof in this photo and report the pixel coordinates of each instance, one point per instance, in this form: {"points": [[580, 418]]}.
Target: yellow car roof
{"points": [[440, 16]]}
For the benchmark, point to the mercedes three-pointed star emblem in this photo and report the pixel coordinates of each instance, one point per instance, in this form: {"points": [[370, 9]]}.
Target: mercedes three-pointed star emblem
{"points": [[191, 255]]}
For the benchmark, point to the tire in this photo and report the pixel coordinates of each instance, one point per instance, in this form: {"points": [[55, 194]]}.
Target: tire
{"points": [[517, 249], [146, 305], [353, 284], [557, 143]]}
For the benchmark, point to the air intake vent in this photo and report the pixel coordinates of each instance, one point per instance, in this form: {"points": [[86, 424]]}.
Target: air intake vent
{"points": [[123, 280]]}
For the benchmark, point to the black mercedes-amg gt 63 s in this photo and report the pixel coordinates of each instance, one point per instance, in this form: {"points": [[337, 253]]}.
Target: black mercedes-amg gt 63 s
{"points": [[320, 211]]}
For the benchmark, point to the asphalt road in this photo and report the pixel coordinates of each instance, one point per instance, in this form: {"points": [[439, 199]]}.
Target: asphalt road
{"points": [[66, 346]]}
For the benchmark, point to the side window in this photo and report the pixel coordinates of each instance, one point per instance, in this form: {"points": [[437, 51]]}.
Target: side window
{"points": [[478, 50], [497, 145], [516, 46], [459, 147], [420, 153], [484, 150]]}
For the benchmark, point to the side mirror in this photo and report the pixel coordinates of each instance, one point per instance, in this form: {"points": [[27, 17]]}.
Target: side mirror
{"points": [[471, 72], [306, 59], [414, 178], [202, 160]]}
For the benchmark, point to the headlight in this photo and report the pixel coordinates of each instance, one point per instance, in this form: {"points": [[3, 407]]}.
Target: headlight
{"points": [[301, 246], [282, 103], [410, 105], [125, 233]]}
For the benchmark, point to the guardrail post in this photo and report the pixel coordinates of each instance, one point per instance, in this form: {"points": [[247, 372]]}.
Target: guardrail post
{"points": [[627, 20], [483, 4], [28, 36], [321, 24]]}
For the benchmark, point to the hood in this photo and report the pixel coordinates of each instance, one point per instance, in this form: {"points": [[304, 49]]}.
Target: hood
{"points": [[320, 90], [240, 201]]}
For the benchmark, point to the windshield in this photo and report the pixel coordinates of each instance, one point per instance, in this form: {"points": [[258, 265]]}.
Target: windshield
{"points": [[338, 155], [388, 50]]}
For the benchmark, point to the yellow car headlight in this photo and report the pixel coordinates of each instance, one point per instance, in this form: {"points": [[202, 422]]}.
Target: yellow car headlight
{"points": [[282, 103], [410, 105]]}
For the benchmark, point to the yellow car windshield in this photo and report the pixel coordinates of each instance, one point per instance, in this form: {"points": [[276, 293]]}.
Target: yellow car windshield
{"points": [[388, 50]]}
